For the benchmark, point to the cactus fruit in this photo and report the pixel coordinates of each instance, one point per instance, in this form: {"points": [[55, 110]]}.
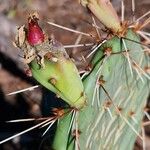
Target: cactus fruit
{"points": [[35, 34], [50, 65], [105, 12]]}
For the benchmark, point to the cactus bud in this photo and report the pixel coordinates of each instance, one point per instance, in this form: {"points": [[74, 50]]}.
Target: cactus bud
{"points": [[105, 13], [35, 34]]}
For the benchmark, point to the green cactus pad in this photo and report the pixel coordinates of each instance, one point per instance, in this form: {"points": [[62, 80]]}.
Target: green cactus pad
{"points": [[113, 115]]}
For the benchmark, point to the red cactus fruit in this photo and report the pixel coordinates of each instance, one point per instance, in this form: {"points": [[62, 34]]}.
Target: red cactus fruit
{"points": [[35, 34]]}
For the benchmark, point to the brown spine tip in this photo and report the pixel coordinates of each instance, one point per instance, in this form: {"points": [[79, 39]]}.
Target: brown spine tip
{"points": [[76, 133], [53, 81], [28, 72], [119, 109], [131, 113], [101, 81], [59, 112], [107, 104], [147, 69], [108, 51]]}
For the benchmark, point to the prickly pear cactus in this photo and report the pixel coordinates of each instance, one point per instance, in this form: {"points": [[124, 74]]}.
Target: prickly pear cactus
{"points": [[106, 108]]}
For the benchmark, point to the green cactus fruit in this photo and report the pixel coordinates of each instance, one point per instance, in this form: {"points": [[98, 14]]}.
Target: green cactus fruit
{"points": [[105, 12], [61, 77], [49, 63]]}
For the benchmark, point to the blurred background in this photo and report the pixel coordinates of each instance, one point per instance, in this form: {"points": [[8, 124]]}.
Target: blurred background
{"points": [[14, 13]]}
